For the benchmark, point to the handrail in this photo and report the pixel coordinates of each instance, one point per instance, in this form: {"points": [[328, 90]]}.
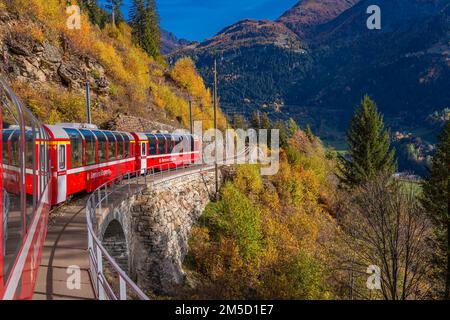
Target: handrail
{"points": [[97, 253]]}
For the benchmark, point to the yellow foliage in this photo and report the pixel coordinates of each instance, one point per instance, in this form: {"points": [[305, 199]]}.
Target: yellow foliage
{"points": [[297, 240], [185, 73]]}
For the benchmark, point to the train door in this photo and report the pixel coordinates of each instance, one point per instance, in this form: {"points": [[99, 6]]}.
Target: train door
{"points": [[62, 173], [143, 154]]}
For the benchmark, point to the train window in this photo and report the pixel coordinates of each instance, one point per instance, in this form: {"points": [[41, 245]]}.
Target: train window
{"points": [[76, 148], [177, 144], [161, 145], [15, 148], [126, 145], [101, 146], [169, 144], [186, 144], [62, 157], [29, 149], [152, 146], [5, 137], [112, 148], [119, 139], [89, 137]]}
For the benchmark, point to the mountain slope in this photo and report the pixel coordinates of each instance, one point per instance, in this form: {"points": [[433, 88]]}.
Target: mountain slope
{"points": [[308, 14], [404, 66], [170, 43]]}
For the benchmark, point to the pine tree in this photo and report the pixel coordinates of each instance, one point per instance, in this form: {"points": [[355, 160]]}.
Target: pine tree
{"points": [[144, 22], [436, 200], [292, 127], [309, 133], [96, 14], [369, 147], [283, 133]]}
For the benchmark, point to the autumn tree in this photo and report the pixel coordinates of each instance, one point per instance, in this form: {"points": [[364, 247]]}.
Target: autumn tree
{"points": [[386, 227], [436, 200], [370, 152]]}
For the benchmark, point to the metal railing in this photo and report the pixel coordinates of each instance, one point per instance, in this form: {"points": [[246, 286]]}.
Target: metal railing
{"points": [[97, 253]]}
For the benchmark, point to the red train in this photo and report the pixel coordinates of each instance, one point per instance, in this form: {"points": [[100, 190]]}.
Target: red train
{"points": [[83, 157], [44, 165]]}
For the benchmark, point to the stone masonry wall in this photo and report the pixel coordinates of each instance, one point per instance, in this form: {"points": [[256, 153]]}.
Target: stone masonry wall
{"points": [[162, 219]]}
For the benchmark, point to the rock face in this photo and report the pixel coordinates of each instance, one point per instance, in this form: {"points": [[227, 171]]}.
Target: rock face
{"points": [[24, 58], [131, 123]]}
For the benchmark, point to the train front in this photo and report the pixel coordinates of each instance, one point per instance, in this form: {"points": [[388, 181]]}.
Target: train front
{"points": [[24, 196]]}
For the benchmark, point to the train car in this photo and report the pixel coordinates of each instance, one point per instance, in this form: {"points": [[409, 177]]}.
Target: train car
{"points": [[24, 196], [165, 151], [84, 158]]}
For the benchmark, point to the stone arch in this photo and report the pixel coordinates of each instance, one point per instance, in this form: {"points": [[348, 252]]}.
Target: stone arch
{"points": [[115, 242]]}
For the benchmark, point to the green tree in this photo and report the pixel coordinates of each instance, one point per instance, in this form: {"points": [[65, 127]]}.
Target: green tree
{"points": [[369, 147], [292, 127], [436, 200], [309, 133], [144, 22], [283, 133], [96, 14]]}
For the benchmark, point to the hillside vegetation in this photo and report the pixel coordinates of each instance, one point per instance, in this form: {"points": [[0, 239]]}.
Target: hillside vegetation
{"points": [[48, 64], [269, 238]]}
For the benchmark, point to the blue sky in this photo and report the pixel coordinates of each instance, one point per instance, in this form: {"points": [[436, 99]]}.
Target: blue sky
{"points": [[200, 19]]}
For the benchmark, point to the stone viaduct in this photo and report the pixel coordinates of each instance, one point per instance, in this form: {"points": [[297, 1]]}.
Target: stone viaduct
{"points": [[147, 233]]}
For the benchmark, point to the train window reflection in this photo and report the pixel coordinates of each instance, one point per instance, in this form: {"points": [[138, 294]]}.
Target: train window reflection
{"points": [[112, 149], [11, 188], [90, 147], [29, 149], [76, 148], [152, 145], [5, 138], [101, 146], [62, 157], [119, 139], [15, 148], [161, 145], [127, 145]]}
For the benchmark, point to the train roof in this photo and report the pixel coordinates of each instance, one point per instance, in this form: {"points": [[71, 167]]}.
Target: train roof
{"points": [[58, 131]]}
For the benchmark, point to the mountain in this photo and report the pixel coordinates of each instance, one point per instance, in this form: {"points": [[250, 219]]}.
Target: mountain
{"points": [[405, 66], [170, 43], [308, 14], [247, 33]]}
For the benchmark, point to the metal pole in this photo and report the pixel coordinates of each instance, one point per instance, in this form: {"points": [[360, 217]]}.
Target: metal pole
{"points": [[191, 123], [215, 125], [88, 101]]}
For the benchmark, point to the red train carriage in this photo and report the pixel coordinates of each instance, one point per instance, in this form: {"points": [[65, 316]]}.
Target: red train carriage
{"points": [[24, 196], [165, 151], [42, 166], [84, 158]]}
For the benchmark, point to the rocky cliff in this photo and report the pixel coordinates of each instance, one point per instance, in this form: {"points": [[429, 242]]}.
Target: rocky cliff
{"points": [[48, 66]]}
